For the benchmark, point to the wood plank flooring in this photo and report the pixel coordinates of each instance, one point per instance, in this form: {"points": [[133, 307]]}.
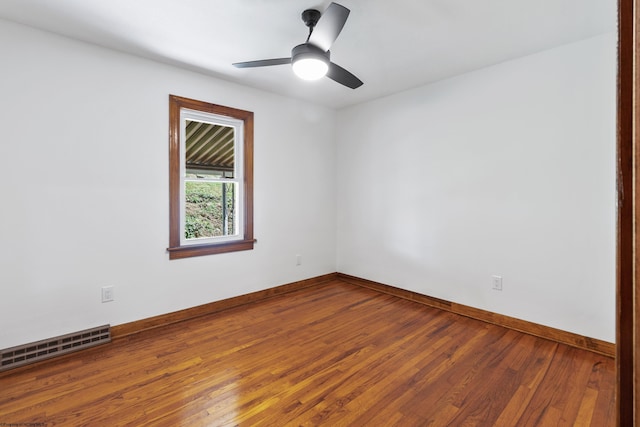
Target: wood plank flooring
{"points": [[334, 355]]}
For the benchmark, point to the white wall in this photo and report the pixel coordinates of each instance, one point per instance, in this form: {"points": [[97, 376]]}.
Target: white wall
{"points": [[509, 170], [84, 188]]}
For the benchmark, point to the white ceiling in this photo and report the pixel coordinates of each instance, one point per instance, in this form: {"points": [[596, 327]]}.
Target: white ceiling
{"points": [[390, 45]]}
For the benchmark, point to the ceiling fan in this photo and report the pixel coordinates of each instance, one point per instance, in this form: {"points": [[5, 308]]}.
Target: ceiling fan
{"points": [[311, 60]]}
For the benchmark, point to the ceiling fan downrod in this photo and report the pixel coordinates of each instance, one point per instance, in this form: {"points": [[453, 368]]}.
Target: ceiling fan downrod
{"points": [[310, 18]]}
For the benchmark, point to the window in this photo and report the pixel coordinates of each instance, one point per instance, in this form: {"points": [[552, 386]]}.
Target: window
{"points": [[210, 178]]}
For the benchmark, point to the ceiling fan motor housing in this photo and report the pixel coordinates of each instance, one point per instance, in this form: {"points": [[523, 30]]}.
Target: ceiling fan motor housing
{"points": [[307, 50]]}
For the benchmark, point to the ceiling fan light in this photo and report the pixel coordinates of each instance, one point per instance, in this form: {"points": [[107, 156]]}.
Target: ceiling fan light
{"points": [[310, 67], [309, 62]]}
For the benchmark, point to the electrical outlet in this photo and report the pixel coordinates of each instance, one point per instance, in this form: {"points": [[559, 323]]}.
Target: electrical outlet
{"points": [[107, 294], [496, 283], [298, 259]]}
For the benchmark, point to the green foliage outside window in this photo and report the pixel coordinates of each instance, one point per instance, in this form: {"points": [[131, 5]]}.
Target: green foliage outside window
{"points": [[204, 213]]}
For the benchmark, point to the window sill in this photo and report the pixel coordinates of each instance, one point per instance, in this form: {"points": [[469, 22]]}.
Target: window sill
{"points": [[210, 249]]}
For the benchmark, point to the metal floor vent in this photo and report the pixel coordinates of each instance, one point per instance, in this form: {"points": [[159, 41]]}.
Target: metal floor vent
{"points": [[28, 353]]}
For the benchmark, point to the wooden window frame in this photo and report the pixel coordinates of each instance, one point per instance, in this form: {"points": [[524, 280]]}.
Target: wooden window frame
{"points": [[176, 249]]}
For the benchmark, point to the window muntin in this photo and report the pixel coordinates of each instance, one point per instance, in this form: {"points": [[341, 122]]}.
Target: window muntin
{"points": [[210, 178]]}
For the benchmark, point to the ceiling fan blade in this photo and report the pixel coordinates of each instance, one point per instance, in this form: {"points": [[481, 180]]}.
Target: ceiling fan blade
{"points": [[342, 76], [329, 26], [262, 63]]}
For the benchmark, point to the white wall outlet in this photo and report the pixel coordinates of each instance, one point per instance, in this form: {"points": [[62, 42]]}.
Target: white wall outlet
{"points": [[496, 283], [107, 293], [298, 259]]}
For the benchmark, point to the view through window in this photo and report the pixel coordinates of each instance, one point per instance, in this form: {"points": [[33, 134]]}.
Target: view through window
{"points": [[209, 182]]}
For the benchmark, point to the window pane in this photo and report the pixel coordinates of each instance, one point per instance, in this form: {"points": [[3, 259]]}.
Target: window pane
{"points": [[210, 149], [209, 209]]}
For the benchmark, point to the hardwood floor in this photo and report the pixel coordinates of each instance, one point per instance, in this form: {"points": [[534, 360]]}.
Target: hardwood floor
{"points": [[334, 355]]}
